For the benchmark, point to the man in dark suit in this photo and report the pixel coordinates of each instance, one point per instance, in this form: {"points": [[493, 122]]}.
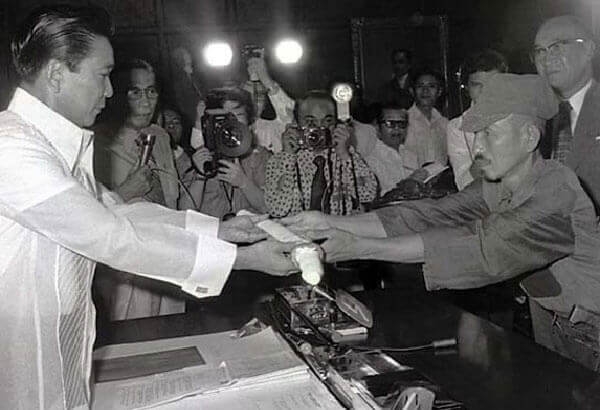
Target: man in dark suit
{"points": [[397, 90], [563, 53]]}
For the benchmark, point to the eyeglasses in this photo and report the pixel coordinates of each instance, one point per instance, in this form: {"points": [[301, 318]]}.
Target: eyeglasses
{"points": [[394, 124], [312, 122], [558, 48], [137, 93]]}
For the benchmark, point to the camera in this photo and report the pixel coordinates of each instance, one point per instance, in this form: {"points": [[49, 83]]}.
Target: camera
{"points": [[223, 134], [252, 50], [314, 138]]}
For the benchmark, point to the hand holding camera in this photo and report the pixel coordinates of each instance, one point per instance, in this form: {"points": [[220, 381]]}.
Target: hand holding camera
{"points": [[232, 173], [201, 157], [289, 139]]}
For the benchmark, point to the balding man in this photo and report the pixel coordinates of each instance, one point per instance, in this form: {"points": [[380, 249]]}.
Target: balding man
{"points": [[563, 53]]}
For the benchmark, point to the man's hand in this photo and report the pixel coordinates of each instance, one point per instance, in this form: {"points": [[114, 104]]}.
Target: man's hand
{"points": [[136, 185], [307, 220], [232, 173], [200, 157], [341, 140], [258, 68], [242, 229], [268, 256], [289, 139], [339, 245]]}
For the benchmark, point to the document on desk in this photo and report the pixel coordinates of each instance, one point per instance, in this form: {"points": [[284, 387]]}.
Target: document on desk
{"points": [[148, 374], [302, 393]]}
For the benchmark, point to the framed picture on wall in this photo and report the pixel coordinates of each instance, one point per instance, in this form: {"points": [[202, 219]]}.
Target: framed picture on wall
{"points": [[374, 39]]}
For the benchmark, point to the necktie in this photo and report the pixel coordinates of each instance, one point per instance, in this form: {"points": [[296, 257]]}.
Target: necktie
{"points": [[563, 134], [319, 183]]}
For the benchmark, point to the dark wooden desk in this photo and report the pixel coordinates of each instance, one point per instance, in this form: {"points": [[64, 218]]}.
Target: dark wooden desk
{"points": [[491, 369]]}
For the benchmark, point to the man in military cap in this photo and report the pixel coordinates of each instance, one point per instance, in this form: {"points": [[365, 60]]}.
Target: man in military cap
{"points": [[526, 214]]}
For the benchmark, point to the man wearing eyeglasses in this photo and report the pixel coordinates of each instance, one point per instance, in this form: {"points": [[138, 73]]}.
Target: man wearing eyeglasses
{"points": [[383, 149], [563, 54]]}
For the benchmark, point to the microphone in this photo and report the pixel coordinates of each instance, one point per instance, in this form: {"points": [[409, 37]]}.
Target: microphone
{"points": [[146, 141]]}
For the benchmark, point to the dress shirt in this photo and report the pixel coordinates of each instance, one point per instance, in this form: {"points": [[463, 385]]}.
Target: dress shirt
{"points": [[460, 151], [390, 166], [352, 182], [576, 102], [427, 137], [52, 229], [484, 234]]}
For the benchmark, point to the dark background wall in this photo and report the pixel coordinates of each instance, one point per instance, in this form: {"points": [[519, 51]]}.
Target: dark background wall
{"points": [[151, 29]]}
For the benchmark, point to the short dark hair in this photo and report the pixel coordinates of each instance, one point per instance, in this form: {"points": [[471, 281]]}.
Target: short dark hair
{"points": [[237, 94], [405, 51], [122, 74], [427, 71], [62, 32], [485, 60], [390, 106]]}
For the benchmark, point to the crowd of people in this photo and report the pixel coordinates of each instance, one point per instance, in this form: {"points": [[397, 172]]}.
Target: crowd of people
{"points": [[522, 156]]}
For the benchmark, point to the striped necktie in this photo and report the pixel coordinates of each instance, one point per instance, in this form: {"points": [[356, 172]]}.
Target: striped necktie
{"points": [[563, 136]]}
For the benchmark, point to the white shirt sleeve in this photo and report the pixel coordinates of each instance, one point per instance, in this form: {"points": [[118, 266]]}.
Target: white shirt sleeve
{"points": [[283, 105], [143, 238], [459, 154]]}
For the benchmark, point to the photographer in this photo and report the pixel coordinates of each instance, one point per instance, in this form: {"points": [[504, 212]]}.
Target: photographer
{"points": [[318, 167], [224, 186], [260, 85]]}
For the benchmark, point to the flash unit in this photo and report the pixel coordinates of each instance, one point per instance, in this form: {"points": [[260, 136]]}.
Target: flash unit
{"points": [[342, 94]]}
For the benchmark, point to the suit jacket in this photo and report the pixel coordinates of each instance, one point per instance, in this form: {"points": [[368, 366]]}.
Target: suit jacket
{"points": [[584, 157], [392, 93]]}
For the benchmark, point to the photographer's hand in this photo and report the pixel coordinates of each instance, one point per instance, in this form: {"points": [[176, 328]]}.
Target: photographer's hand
{"points": [[258, 67], [233, 173], [289, 139], [341, 140], [201, 156]]}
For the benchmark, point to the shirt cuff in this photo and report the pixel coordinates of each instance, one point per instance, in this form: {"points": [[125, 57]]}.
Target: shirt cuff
{"points": [[451, 260], [201, 224], [214, 261], [214, 257]]}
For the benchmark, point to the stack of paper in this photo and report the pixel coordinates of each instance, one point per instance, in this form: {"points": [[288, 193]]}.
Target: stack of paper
{"points": [[215, 369]]}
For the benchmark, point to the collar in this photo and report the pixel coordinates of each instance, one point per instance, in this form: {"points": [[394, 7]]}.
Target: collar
{"points": [[576, 100], [70, 140], [495, 192], [435, 114]]}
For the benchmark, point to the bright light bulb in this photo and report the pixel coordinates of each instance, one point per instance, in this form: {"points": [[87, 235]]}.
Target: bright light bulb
{"points": [[218, 54], [288, 51], [342, 92]]}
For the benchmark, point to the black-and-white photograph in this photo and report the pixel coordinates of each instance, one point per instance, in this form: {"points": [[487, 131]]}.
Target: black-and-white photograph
{"points": [[299, 204]]}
